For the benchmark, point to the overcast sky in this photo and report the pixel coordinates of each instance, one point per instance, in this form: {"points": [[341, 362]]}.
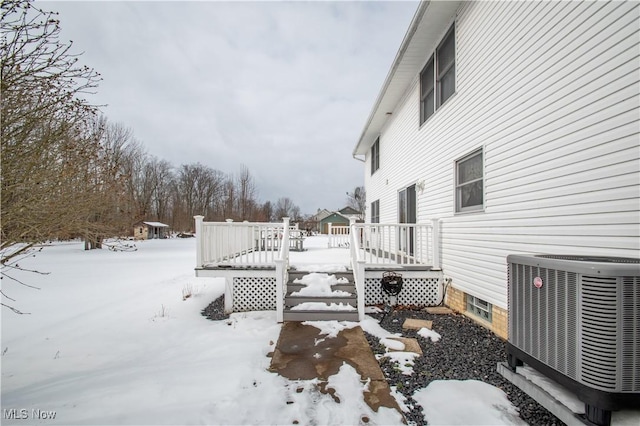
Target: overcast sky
{"points": [[284, 88]]}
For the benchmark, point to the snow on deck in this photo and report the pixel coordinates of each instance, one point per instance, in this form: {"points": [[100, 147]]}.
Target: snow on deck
{"points": [[317, 257]]}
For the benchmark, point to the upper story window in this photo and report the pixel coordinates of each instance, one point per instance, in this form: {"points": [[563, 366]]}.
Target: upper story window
{"points": [[427, 92], [375, 156], [438, 77], [375, 211], [446, 77], [469, 182]]}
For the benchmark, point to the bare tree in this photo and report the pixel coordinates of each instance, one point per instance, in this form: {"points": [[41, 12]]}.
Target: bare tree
{"points": [[357, 199], [198, 190], [285, 208], [246, 193], [228, 200], [163, 182], [266, 212], [48, 147]]}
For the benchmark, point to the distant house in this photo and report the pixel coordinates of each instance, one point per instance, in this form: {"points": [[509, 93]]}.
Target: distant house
{"points": [[313, 224], [150, 230], [334, 218], [351, 212], [340, 218], [515, 125]]}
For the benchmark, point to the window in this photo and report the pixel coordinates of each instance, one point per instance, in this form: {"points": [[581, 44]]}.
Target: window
{"points": [[479, 307], [469, 183], [426, 92], [375, 211], [446, 77], [438, 77], [375, 156]]}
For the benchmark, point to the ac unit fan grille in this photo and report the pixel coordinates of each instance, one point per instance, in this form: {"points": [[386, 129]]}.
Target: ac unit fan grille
{"points": [[543, 322]]}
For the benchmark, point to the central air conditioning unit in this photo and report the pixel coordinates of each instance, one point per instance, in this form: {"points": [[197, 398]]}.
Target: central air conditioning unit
{"points": [[576, 319]]}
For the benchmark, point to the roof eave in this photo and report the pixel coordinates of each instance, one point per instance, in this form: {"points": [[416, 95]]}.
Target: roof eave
{"points": [[389, 96]]}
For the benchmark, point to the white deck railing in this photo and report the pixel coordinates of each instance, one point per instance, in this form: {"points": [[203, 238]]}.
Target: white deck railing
{"points": [[242, 244], [397, 244], [338, 236], [247, 245]]}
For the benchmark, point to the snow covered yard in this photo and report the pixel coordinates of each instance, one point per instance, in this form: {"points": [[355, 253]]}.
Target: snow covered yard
{"points": [[111, 340]]}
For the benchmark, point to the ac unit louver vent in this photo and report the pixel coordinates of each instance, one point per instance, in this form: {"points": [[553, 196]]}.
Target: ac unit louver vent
{"points": [[630, 334], [599, 332]]}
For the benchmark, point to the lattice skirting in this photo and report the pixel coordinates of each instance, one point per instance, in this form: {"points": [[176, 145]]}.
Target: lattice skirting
{"points": [[254, 294], [415, 291], [259, 293]]}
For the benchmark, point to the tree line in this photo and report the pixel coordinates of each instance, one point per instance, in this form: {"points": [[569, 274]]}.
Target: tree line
{"points": [[156, 190], [68, 172]]}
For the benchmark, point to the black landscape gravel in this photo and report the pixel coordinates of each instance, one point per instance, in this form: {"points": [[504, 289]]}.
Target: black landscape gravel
{"points": [[466, 351], [215, 310]]}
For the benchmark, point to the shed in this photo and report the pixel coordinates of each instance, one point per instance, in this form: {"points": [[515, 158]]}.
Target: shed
{"points": [[150, 230]]}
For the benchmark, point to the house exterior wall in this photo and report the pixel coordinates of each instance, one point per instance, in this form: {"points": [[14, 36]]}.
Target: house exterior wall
{"points": [[550, 92]]}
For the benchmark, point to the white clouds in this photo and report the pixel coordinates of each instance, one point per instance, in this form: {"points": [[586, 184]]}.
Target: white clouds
{"points": [[256, 83]]}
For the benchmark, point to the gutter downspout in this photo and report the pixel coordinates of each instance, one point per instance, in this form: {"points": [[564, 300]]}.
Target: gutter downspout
{"points": [[359, 159]]}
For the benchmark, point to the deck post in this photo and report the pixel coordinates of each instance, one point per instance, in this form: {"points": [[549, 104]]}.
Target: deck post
{"points": [[435, 243], [228, 295], [199, 241], [279, 290], [282, 263], [360, 284], [329, 232]]}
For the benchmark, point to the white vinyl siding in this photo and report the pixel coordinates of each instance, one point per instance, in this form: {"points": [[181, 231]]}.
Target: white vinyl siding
{"points": [[557, 113]]}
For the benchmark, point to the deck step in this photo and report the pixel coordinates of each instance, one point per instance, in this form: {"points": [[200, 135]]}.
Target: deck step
{"points": [[348, 287], [319, 315], [299, 274], [290, 300]]}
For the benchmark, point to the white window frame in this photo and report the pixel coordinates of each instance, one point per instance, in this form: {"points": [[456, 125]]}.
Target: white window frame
{"points": [[460, 185]]}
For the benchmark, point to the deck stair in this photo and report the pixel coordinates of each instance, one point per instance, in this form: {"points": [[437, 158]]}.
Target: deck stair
{"points": [[292, 300]]}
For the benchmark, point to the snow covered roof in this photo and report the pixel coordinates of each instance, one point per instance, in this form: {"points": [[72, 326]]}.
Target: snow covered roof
{"points": [[156, 224]]}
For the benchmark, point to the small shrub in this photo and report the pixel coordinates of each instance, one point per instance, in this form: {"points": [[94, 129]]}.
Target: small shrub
{"points": [[187, 291]]}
